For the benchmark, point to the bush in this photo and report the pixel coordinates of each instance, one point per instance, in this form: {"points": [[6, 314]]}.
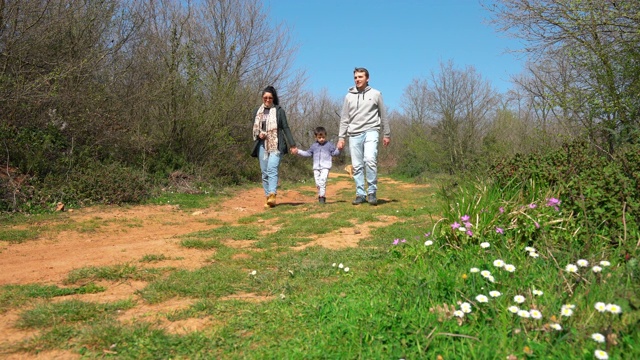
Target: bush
{"points": [[603, 190]]}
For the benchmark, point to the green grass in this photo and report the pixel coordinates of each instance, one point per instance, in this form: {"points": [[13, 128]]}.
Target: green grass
{"points": [[396, 301], [112, 273], [68, 312], [17, 236], [13, 296], [152, 258]]}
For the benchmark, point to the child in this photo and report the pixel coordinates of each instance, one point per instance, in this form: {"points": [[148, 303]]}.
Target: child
{"points": [[322, 151]]}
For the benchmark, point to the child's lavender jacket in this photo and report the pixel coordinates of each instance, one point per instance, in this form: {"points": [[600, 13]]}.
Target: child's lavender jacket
{"points": [[321, 153]]}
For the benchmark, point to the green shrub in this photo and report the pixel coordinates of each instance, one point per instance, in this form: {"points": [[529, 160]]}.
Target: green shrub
{"points": [[602, 190]]}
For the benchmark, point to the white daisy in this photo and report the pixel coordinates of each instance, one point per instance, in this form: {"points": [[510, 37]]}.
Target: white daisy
{"points": [[485, 245], [566, 312], [482, 299], [524, 314], [601, 355], [600, 306], [614, 309], [530, 249], [596, 269], [428, 243], [465, 307], [474, 270], [519, 299], [583, 263], [536, 314], [597, 337], [537, 292], [485, 273], [605, 263], [498, 263], [513, 309], [533, 254], [494, 293], [458, 313], [556, 326], [509, 267], [571, 268]]}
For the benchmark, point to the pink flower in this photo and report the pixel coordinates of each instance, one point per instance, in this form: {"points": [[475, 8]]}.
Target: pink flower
{"points": [[465, 218], [553, 202], [469, 232], [455, 225], [396, 241], [499, 230], [533, 206], [501, 209]]}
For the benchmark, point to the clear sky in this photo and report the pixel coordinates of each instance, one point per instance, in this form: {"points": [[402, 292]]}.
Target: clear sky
{"points": [[396, 40]]}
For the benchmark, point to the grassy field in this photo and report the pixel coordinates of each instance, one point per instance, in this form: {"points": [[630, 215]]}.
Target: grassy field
{"points": [[475, 274]]}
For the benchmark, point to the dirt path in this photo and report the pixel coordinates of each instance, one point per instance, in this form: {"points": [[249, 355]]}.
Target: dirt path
{"points": [[133, 232], [127, 234]]}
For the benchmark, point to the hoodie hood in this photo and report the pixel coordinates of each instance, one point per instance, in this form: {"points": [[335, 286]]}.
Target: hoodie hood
{"points": [[354, 90]]}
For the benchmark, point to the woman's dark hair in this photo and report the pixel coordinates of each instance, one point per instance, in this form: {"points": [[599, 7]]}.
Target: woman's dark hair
{"points": [[271, 90]]}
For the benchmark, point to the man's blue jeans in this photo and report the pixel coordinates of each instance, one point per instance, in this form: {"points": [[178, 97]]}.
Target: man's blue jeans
{"points": [[269, 166], [364, 155]]}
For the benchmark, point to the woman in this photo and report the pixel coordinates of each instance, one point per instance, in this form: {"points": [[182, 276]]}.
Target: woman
{"points": [[272, 138]]}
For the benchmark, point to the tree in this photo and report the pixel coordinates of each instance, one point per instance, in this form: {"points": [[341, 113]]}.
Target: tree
{"points": [[597, 42], [461, 103]]}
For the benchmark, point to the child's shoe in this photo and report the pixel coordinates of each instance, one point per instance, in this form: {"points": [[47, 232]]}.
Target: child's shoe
{"points": [[322, 200]]}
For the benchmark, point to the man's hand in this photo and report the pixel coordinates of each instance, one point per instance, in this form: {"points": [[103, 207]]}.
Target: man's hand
{"points": [[340, 144], [386, 141]]}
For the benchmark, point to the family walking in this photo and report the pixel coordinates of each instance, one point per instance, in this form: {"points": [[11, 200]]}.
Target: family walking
{"points": [[362, 119]]}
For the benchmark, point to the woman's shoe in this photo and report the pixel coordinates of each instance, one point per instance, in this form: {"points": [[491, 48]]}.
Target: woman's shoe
{"points": [[271, 200]]}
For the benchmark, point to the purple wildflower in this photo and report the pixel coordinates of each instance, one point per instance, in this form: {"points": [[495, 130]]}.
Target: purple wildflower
{"points": [[499, 230], [455, 225], [403, 240], [553, 202], [533, 206], [536, 224], [468, 224], [501, 210], [465, 218], [396, 241], [427, 234], [469, 232]]}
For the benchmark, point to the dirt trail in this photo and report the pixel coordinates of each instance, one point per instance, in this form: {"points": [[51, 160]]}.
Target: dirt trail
{"points": [[133, 232], [127, 234]]}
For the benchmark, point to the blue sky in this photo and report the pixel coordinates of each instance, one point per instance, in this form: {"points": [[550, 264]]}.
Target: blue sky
{"points": [[396, 40]]}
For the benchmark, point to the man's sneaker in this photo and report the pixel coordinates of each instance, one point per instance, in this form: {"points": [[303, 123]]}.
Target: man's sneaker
{"points": [[359, 200], [373, 200], [322, 200]]}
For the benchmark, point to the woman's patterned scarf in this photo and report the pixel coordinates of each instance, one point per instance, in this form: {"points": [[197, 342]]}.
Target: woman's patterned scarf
{"points": [[271, 140]]}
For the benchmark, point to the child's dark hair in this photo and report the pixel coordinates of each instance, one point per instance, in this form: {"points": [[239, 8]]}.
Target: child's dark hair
{"points": [[271, 90], [320, 130]]}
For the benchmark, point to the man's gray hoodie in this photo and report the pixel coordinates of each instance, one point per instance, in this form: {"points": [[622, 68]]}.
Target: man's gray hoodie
{"points": [[363, 111]]}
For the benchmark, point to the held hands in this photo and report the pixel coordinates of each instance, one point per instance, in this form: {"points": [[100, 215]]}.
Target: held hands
{"points": [[340, 144], [294, 150]]}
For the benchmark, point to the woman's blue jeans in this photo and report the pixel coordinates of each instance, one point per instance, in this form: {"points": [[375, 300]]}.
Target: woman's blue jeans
{"points": [[364, 155], [269, 166]]}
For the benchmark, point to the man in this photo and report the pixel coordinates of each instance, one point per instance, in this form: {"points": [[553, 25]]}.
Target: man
{"points": [[363, 117]]}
